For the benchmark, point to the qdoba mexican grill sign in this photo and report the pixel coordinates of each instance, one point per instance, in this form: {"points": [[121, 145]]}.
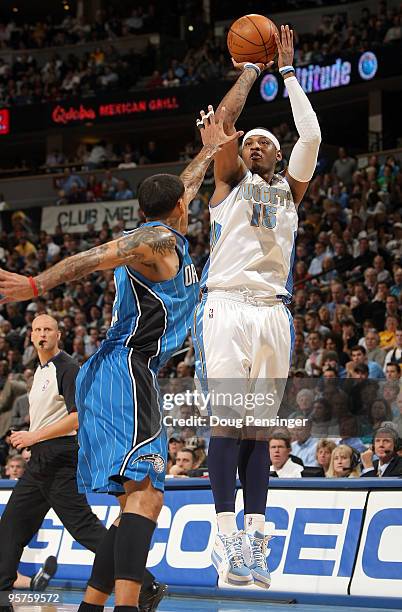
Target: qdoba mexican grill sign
{"points": [[92, 112]]}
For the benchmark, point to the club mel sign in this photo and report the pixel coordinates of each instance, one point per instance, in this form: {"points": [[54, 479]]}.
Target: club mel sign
{"points": [[317, 77]]}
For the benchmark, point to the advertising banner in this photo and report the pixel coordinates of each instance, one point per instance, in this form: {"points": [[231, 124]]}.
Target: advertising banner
{"points": [[74, 218], [322, 541], [333, 72], [315, 538], [378, 568]]}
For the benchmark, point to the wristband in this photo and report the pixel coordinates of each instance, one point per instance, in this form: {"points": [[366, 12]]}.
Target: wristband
{"points": [[33, 285], [286, 70], [253, 66]]}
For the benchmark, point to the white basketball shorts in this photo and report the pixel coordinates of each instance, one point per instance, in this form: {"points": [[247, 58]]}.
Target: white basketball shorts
{"points": [[242, 343]]}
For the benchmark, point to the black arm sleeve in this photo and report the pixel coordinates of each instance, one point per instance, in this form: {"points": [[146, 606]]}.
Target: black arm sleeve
{"points": [[67, 370]]}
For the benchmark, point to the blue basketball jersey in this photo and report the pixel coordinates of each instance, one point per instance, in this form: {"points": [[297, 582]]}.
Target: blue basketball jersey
{"points": [[154, 317]]}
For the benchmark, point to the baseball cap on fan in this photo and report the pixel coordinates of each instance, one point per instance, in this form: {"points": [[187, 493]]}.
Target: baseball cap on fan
{"points": [[175, 436]]}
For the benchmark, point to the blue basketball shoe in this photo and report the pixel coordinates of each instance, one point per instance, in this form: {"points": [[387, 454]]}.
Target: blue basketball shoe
{"points": [[227, 557], [257, 558]]}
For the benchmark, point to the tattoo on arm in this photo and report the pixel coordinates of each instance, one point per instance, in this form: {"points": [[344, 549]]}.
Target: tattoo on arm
{"points": [[193, 175], [236, 97], [143, 246], [161, 242], [70, 269]]}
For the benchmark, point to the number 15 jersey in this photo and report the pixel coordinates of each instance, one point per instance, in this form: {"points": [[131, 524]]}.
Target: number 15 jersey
{"points": [[253, 234]]}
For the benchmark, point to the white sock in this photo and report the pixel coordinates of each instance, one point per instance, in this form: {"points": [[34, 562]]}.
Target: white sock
{"points": [[226, 523], [254, 522]]}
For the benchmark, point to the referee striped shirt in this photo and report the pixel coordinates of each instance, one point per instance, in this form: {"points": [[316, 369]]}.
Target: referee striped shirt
{"points": [[52, 396]]}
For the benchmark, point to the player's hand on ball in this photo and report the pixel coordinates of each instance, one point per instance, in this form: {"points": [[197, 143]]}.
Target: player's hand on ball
{"points": [[212, 131], [14, 287], [240, 65], [285, 46]]}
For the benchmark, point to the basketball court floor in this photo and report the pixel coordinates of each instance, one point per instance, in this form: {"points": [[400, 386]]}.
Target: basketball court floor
{"points": [[71, 600]]}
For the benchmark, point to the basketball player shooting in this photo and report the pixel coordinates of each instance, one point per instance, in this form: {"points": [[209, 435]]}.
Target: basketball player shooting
{"points": [[243, 329]]}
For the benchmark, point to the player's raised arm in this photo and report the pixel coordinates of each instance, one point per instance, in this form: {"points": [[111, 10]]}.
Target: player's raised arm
{"points": [[229, 168], [303, 158]]}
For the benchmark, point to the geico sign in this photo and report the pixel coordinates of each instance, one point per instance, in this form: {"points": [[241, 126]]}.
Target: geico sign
{"points": [[309, 541]]}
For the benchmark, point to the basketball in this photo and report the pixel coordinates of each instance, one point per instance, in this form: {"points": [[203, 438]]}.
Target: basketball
{"points": [[251, 38]]}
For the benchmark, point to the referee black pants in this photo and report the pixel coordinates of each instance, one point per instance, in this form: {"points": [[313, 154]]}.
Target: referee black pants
{"points": [[49, 482]]}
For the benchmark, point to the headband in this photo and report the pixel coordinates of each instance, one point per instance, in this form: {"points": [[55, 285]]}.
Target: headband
{"points": [[262, 132]]}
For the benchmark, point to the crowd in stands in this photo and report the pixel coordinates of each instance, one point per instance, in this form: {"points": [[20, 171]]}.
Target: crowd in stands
{"points": [[345, 378], [108, 24], [73, 187], [27, 80]]}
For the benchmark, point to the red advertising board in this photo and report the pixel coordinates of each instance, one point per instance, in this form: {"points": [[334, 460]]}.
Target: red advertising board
{"points": [[4, 121]]}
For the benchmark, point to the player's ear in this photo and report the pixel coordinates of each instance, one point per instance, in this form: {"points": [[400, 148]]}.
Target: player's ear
{"points": [[278, 155]]}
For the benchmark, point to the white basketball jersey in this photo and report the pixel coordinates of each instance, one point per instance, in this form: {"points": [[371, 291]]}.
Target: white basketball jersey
{"points": [[253, 233]]}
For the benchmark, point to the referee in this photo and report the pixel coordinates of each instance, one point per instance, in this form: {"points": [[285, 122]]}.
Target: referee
{"points": [[50, 477]]}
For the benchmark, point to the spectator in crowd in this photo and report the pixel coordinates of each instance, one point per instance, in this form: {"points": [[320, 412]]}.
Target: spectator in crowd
{"points": [[344, 167], [97, 155], [282, 464], [314, 323], [359, 355], [15, 467], [393, 371], [324, 452], [394, 355], [127, 162], [304, 404], [386, 444], [15, 386], [185, 462], [348, 431], [20, 409], [54, 158], [378, 412], [174, 446], [330, 363], [337, 297], [323, 422], [388, 336], [344, 463], [374, 352], [123, 191], [304, 445], [390, 391], [198, 445], [299, 356], [316, 263], [396, 289], [383, 275], [360, 371], [314, 360], [397, 420]]}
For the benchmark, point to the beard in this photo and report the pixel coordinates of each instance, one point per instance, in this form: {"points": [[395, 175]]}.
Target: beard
{"points": [[257, 166]]}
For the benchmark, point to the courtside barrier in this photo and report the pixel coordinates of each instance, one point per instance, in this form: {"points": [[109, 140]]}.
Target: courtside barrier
{"points": [[337, 537]]}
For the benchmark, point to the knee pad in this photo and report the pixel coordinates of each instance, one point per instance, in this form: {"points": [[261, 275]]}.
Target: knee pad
{"points": [[133, 540]]}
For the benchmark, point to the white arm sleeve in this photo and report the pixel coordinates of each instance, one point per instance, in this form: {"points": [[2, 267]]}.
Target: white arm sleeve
{"points": [[303, 158]]}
